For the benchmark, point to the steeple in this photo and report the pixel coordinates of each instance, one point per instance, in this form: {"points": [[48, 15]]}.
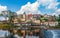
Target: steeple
{"points": [[24, 15]]}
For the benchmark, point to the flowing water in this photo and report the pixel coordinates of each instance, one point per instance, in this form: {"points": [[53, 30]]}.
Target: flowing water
{"points": [[51, 34], [46, 34]]}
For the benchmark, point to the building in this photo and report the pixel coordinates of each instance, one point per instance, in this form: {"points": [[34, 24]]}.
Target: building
{"points": [[51, 23], [46, 16]]}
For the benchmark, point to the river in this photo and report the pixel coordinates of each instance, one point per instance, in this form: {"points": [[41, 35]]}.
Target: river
{"points": [[46, 34], [51, 34]]}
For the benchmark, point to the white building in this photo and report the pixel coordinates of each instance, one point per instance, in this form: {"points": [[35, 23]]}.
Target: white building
{"points": [[51, 23]]}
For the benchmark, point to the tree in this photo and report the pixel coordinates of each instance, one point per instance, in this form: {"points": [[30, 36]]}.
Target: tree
{"points": [[19, 20], [29, 21], [59, 20], [4, 14], [11, 15]]}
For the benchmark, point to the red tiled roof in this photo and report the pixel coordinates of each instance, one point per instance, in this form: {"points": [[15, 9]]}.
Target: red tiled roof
{"points": [[30, 14]]}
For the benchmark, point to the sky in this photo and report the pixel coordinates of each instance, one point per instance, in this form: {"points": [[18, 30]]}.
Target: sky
{"points": [[14, 5], [31, 6]]}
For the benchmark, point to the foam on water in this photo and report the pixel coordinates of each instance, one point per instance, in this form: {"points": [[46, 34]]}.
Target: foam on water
{"points": [[56, 33], [51, 34]]}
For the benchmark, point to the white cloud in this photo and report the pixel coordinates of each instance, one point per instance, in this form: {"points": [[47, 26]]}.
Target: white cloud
{"points": [[46, 2], [3, 8], [57, 12], [34, 7], [53, 5], [29, 8]]}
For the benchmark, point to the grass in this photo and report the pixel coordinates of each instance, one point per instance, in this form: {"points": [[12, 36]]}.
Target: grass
{"points": [[6, 26]]}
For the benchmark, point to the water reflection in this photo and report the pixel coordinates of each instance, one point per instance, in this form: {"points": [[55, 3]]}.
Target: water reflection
{"points": [[51, 34], [4, 33], [46, 34]]}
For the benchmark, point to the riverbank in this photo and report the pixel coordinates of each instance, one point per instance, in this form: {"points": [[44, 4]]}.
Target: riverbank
{"points": [[54, 28]]}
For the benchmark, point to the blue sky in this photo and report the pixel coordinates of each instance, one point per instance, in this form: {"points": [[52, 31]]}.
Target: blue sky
{"points": [[15, 5]]}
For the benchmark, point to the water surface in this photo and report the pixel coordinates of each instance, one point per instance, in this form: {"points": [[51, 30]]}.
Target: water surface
{"points": [[51, 33], [46, 34]]}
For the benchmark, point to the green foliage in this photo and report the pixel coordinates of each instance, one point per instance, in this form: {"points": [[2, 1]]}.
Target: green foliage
{"points": [[42, 16], [29, 21], [58, 20], [11, 15], [6, 26], [19, 20], [41, 19], [45, 19]]}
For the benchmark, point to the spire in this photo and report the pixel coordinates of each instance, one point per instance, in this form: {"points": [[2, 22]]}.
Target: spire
{"points": [[24, 13]]}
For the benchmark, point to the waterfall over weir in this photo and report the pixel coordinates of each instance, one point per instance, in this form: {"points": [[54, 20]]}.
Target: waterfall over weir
{"points": [[51, 34]]}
